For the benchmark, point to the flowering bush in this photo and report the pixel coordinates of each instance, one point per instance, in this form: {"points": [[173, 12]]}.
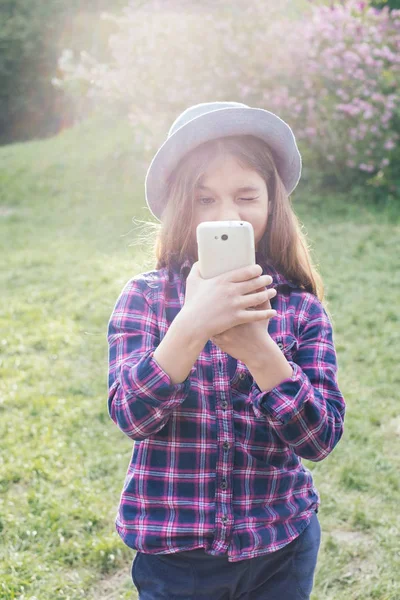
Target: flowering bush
{"points": [[164, 61], [343, 89], [332, 72]]}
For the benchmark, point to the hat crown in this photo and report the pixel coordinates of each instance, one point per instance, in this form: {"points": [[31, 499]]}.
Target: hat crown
{"points": [[207, 121], [201, 109]]}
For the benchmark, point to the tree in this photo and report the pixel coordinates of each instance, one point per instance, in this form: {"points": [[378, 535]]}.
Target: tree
{"points": [[32, 36]]}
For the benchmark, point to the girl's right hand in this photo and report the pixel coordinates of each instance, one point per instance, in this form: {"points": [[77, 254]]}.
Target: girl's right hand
{"points": [[217, 304]]}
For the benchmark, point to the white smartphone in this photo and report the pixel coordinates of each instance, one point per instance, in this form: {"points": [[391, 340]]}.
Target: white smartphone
{"points": [[224, 246]]}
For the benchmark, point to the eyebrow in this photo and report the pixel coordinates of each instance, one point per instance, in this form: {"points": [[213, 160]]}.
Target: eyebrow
{"points": [[241, 189]]}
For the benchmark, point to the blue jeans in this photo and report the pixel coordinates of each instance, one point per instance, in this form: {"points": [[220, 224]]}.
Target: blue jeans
{"points": [[287, 574]]}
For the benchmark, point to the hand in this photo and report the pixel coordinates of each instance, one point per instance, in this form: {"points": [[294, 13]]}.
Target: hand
{"points": [[220, 303], [248, 340]]}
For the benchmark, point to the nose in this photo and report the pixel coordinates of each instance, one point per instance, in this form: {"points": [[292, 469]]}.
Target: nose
{"points": [[229, 215]]}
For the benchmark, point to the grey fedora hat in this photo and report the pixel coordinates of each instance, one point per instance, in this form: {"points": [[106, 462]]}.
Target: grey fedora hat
{"points": [[210, 120]]}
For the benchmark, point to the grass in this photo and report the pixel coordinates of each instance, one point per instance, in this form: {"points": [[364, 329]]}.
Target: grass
{"points": [[68, 246]]}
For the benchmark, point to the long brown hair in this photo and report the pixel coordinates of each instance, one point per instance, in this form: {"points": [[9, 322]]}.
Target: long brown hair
{"points": [[283, 244]]}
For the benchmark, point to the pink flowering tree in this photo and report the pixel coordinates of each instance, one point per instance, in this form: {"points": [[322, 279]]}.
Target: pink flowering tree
{"points": [[333, 72], [163, 60], [342, 91]]}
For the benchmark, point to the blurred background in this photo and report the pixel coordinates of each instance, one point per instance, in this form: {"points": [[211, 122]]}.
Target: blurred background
{"points": [[88, 92]]}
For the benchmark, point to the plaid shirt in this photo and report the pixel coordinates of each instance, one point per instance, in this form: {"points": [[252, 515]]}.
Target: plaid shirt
{"points": [[216, 462]]}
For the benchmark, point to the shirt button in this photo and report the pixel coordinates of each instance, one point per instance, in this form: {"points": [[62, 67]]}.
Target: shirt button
{"points": [[280, 345], [242, 375], [224, 484], [224, 520], [226, 445], [224, 404]]}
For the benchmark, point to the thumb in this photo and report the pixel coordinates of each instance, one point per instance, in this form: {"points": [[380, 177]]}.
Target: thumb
{"points": [[195, 270]]}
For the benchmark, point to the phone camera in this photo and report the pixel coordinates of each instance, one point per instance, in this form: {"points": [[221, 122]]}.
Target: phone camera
{"points": [[224, 237]]}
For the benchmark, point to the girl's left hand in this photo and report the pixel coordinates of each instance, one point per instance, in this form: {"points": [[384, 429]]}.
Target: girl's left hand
{"points": [[247, 340]]}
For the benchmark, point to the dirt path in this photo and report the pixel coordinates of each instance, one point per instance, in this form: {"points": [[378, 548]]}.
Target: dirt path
{"points": [[118, 586]]}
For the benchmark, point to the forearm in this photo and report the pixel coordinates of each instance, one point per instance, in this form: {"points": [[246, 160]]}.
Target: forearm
{"points": [[307, 418], [269, 367], [144, 392], [180, 348]]}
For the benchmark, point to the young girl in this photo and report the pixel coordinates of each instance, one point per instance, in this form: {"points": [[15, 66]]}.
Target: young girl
{"points": [[224, 402]]}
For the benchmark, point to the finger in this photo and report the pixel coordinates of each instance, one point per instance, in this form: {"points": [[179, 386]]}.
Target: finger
{"points": [[253, 285], [264, 306], [271, 292], [250, 316], [243, 273], [252, 300], [267, 304]]}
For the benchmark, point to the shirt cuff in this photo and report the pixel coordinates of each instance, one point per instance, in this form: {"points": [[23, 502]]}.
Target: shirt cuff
{"points": [[284, 402], [148, 380]]}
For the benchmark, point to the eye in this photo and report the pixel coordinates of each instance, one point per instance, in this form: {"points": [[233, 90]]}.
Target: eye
{"points": [[205, 201]]}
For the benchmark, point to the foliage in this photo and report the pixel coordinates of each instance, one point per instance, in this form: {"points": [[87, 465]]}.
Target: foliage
{"points": [[333, 72], [32, 36], [341, 90], [165, 60], [391, 4]]}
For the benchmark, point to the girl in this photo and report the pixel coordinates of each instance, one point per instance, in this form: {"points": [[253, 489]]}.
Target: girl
{"points": [[224, 402]]}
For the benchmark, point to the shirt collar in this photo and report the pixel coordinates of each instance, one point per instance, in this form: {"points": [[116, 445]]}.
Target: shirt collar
{"points": [[268, 269]]}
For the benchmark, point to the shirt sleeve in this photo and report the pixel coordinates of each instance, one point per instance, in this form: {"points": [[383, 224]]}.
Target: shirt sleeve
{"points": [[141, 397], [307, 409]]}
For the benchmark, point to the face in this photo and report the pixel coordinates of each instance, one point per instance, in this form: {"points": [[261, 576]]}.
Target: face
{"points": [[228, 192]]}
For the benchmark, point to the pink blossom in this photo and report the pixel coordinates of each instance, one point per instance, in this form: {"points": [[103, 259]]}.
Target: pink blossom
{"points": [[311, 131], [245, 90], [333, 74], [389, 145], [353, 134], [342, 94], [369, 168]]}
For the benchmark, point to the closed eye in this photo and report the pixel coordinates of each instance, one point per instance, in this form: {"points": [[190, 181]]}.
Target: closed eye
{"points": [[242, 199]]}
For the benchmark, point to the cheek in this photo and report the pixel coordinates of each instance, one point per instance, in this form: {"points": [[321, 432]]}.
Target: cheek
{"points": [[260, 227]]}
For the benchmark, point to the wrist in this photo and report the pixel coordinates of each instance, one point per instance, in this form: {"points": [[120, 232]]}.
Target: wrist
{"points": [[269, 367], [192, 329], [260, 356]]}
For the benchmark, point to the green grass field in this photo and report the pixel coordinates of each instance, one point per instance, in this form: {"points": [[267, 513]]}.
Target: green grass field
{"points": [[67, 248]]}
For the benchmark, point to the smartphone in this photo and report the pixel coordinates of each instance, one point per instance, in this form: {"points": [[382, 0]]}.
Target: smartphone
{"points": [[224, 246]]}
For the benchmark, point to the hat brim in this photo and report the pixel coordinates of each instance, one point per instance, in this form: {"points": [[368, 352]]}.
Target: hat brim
{"points": [[221, 123]]}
